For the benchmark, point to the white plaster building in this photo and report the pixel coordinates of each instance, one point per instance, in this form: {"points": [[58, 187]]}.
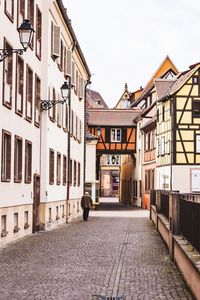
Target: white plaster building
{"points": [[41, 172]]}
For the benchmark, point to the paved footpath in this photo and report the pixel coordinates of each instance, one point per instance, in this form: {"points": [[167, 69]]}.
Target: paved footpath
{"points": [[116, 253]]}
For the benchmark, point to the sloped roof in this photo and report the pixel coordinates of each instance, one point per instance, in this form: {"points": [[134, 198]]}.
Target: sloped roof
{"points": [[179, 81], [163, 86], [149, 125], [112, 117], [93, 99], [71, 30], [164, 67]]}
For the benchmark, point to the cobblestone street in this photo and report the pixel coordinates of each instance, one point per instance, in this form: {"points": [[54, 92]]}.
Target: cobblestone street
{"points": [[116, 253]]}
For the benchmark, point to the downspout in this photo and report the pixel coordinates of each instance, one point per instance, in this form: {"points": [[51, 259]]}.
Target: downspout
{"points": [[85, 128], [173, 132], [69, 142]]}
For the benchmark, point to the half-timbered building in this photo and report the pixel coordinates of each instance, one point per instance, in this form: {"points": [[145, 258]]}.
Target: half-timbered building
{"points": [[141, 171], [178, 132]]}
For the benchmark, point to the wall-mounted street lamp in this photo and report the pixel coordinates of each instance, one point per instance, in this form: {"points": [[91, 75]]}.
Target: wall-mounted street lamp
{"points": [[98, 131], [65, 93], [26, 32]]}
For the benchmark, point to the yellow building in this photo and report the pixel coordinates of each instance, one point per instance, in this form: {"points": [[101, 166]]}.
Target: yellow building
{"points": [[178, 132]]}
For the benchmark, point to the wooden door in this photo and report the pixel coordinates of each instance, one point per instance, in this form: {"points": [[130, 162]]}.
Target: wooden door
{"points": [[36, 202]]}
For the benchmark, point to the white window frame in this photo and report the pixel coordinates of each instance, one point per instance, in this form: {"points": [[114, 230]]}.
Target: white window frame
{"points": [[198, 143], [162, 146], [114, 135]]}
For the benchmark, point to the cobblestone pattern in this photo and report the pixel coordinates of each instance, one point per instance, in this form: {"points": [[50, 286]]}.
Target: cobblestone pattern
{"points": [[104, 256]]}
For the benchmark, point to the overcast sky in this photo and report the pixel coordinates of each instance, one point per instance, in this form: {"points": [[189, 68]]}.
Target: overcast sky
{"points": [[125, 41]]}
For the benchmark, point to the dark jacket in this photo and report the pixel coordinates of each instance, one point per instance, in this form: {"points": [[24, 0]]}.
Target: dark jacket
{"points": [[86, 201]]}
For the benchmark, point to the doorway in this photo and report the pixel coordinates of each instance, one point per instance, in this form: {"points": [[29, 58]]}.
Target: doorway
{"points": [[36, 202]]}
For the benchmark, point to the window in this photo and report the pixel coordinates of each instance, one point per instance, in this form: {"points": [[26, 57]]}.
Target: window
{"points": [[9, 9], [195, 80], [196, 109], [152, 139], [73, 74], [50, 215], [55, 41], [3, 225], [162, 150], [6, 156], [152, 180], [7, 77], [158, 115], [38, 33], [63, 211], [19, 86], [163, 113], [75, 173], [52, 111], [37, 100], [81, 96], [117, 161], [21, 12], [26, 225], [149, 180], [69, 63], [58, 176], [146, 141], [79, 173], [18, 159], [71, 122], [29, 94], [115, 135], [195, 179], [30, 15], [57, 213], [62, 56], [65, 117], [70, 172], [64, 170], [198, 143], [28, 161], [80, 130], [76, 133], [16, 228], [51, 166], [134, 188], [76, 82], [59, 114], [108, 159]]}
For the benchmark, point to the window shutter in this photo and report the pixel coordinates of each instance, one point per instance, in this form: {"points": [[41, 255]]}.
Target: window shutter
{"points": [[124, 135], [56, 41], [107, 135], [69, 63], [65, 60], [81, 88], [73, 74]]}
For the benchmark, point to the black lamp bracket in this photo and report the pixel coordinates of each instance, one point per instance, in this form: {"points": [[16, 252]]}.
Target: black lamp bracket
{"points": [[6, 52], [48, 104]]}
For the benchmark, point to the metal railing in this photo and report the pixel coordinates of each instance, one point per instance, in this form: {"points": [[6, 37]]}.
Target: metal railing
{"points": [[164, 203], [190, 218]]}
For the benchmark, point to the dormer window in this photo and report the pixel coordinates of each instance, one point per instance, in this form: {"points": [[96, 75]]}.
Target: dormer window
{"points": [[195, 80]]}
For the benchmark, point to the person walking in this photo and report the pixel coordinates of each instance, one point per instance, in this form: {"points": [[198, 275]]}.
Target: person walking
{"points": [[86, 204]]}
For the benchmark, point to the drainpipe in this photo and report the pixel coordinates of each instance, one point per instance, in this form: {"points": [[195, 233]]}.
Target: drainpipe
{"points": [[85, 128], [69, 141]]}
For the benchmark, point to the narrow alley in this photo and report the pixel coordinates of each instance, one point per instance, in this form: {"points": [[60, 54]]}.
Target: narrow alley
{"points": [[117, 253]]}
